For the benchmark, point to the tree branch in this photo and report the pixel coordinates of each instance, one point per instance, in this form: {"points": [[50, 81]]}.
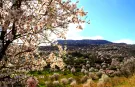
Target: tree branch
{"points": [[1, 4]]}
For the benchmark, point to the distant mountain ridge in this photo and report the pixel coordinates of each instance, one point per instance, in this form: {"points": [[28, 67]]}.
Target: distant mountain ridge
{"points": [[83, 42]]}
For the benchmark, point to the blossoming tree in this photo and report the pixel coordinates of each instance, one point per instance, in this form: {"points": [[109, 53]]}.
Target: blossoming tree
{"points": [[32, 22]]}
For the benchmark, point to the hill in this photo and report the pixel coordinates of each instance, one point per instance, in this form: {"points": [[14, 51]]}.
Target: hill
{"points": [[82, 42]]}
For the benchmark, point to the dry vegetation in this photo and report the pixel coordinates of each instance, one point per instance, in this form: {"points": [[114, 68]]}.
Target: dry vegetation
{"points": [[71, 80]]}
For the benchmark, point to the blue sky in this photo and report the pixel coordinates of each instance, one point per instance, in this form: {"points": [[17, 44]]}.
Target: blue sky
{"points": [[112, 20]]}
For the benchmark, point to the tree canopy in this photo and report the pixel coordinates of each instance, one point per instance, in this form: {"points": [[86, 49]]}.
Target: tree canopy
{"points": [[25, 24], [31, 22]]}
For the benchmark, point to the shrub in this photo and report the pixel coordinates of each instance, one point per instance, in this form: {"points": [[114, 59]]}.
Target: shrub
{"points": [[117, 73], [48, 84], [83, 70], [64, 81], [70, 79], [88, 65], [68, 67], [73, 83], [93, 76], [105, 78], [73, 70], [128, 67], [89, 83], [91, 69], [99, 74], [51, 77], [32, 82], [84, 78], [56, 76], [56, 83]]}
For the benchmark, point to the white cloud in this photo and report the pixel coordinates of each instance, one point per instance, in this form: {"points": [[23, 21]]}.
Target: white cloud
{"points": [[128, 41], [74, 33]]}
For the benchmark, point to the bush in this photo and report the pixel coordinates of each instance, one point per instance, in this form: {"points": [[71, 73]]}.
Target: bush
{"points": [[64, 81], [56, 76], [56, 83], [84, 78], [128, 67], [73, 83]]}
